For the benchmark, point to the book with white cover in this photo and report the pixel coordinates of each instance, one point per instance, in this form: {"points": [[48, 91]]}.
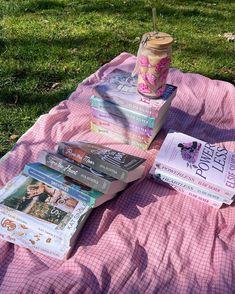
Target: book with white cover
{"points": [[36, 216], [207, 165]]}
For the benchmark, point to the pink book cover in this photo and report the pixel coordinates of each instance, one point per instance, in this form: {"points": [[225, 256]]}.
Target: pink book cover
{"points": [[207, 165]]}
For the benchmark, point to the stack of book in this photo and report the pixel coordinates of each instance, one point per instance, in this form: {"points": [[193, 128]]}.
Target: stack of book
{"points": [[46, 205], [196, 168], [120, 112]]}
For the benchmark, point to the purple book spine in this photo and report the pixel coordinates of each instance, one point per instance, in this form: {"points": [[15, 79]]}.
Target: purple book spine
{"points": [[139, 129]]}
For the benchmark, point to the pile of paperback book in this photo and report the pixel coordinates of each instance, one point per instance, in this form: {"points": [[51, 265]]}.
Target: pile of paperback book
{"points": [[47, 204], [120, 112], [198, 169]]}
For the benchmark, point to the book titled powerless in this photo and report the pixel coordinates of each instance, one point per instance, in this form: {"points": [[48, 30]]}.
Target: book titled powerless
{"points": [[207, 165]]}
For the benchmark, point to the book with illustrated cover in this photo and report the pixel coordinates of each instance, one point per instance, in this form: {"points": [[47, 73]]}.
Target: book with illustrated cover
{"points": [[36, 216], [86, 175], [209, 166], [120, 88], [72, 187], [119, 165]]}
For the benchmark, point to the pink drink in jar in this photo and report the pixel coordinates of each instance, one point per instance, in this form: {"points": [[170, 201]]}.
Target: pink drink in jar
{"points": [[153, 62]]}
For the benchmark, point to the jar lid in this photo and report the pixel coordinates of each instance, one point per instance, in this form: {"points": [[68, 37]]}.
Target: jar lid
{"points": [[160, 40]]}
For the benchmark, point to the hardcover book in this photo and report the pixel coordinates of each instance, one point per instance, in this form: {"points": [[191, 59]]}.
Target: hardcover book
{"points": [[120, 88], [39, 217], [72, 187], [207, 165], [119, 165], [86, 175]]}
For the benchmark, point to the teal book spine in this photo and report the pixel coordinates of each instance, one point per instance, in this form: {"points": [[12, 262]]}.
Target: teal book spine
{"points": [[129, 115], [57, 180]]}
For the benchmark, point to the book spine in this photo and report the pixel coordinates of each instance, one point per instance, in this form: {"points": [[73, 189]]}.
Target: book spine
{"points": [[108, 118], [211, 202], [16, 229], [119, 137], [138, 106], [122, 131], [102, 165], [122, 112], [190, 178], [190, 187], [74, 171], [193, 195], [141, 104], [54, 182]]}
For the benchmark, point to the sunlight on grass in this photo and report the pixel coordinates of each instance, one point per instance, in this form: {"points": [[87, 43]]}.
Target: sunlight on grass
{"points": [[46, 43]]}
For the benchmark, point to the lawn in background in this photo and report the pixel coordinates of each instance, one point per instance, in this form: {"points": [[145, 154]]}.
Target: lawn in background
{"points": [[48, 47]]}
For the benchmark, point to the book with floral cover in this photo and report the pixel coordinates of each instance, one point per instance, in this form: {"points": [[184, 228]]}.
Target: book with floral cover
{"points": [[207, 165]]}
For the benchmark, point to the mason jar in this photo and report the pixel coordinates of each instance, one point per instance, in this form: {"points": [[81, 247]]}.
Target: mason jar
{"points": [[154, 59]]}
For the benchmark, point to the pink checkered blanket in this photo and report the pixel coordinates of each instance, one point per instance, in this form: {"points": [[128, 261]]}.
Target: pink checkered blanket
{"points": [[150, 239]]}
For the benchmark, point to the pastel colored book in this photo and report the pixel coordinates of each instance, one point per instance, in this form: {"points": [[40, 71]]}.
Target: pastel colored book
{"points": [[129, 115], [86, 175], [123, 137], [72, 187], [188, 186], [122, 130], [117, 136], [120, 88], [119, 121], [122, 166], [38, 217], [209, 166]]}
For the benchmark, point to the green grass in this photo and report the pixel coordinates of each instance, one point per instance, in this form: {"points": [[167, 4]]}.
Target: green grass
{"points": [[48, 42]]}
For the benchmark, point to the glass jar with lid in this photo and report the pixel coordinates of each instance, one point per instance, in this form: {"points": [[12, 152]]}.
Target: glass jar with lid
{"points": [[153, 62]]}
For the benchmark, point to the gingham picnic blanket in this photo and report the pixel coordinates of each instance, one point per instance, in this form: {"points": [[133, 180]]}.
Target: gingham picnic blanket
{"points": [[150, 239]]}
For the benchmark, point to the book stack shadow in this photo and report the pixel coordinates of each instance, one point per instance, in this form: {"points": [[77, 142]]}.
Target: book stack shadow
{"points": [[198, 169], [120, 112], [46, 205]]}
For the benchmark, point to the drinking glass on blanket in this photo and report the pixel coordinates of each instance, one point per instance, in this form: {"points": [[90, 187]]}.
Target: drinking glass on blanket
{"points": [[153, 62]]}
